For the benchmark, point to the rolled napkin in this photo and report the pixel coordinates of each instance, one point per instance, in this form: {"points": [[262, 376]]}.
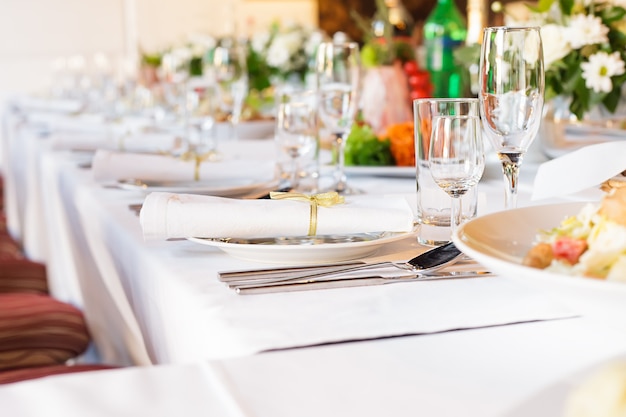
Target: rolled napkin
{"points": [[167, 215], [48, 104], [581, 169], [112, 166], [115, 140]]}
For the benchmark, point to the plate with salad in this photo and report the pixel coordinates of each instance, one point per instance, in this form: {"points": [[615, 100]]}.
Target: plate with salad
{"points": [[575, 250]]}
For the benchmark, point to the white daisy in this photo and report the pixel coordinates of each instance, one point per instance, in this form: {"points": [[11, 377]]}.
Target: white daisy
{"points": [[586, 30], [597, 72], [555, 45]]}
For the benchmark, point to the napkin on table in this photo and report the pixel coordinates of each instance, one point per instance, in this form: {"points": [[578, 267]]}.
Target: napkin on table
{"points": [[583, 168], [112, 166], [168, 215], [114, 140], [46, 104]]}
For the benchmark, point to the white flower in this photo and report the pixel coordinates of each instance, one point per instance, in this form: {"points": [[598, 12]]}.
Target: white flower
{"points": [[315, 38], [586, 30], [201, 43], [259, 42], [284, 48], [555, 43], [597, 72]]}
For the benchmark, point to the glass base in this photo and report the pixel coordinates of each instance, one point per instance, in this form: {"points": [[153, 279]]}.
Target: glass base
{"points": [[429, 235]]}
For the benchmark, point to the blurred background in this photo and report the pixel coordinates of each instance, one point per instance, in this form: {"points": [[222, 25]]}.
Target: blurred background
{"points": [[37, 33]]}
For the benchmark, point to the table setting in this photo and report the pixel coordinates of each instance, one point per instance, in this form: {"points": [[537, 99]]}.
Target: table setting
{"points": [[237, 254]]}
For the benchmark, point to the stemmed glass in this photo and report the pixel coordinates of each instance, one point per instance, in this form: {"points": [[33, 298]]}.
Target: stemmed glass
{"points": [[228, 67], [200, 122], [338, 69], [456, 158], [511, 96], [296, 130]]}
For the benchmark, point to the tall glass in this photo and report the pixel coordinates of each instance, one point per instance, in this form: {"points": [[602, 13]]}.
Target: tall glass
{"points": [[433, 204], [511, 89], [297, 138], [229, 70], [338, 69], [456, 159]]}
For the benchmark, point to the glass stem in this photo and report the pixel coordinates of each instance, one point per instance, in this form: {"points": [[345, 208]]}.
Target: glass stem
{"points": [[340, 175], [511, 174], [456, 213], [294, 174]]}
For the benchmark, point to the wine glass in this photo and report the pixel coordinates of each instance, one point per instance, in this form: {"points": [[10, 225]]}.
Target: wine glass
{"points": [[296, 131], [456, 158], [511, 96], [228, 67], [200, 112], [338, 70]]}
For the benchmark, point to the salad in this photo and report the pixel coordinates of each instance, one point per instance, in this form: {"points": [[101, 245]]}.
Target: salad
{"points": [[590, 244], [395, 147]]}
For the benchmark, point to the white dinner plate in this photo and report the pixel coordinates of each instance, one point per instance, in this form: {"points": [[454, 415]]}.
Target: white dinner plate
{"points": [[381, 171], [500, 241], [235, 187], [304, 250]]}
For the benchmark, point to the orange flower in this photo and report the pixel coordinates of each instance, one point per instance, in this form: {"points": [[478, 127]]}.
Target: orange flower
{"points": [[402, 141]]}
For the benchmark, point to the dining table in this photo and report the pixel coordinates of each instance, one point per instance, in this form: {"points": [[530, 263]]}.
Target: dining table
{"points": [[187, 344]]}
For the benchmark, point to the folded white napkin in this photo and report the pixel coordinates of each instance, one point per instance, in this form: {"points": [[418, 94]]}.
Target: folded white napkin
{"points": [[30, 103], [167, 215], [112, 166], [114, 140], [581, 169]]}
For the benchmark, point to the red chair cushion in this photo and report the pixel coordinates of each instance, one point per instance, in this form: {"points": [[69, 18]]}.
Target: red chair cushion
{"points": [[9, 248], [22, 275], [37, 330], [16, 375]]}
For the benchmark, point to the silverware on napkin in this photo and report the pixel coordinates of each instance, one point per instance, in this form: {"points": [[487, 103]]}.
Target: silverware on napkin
{"points": [[345, 282]]}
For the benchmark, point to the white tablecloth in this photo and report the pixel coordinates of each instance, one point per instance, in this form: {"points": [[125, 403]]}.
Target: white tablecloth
{"points": [[160, 303]]}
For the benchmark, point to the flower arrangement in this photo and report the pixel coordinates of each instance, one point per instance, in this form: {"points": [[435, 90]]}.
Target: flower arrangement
{"points": [[281, 54], [584, 51]]}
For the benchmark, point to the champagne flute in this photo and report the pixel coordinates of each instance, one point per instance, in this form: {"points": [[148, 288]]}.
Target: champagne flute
{"points": [[511, 96], [228, 68], [456, 158], [296, 131], [338, 70]]}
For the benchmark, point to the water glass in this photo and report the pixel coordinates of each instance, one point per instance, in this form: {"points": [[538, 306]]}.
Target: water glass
{"points": [[456, 159], [433, 204], [297, 140]]}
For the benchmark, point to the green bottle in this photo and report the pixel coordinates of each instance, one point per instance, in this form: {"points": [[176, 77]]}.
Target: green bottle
{"points": [[445, 30]]}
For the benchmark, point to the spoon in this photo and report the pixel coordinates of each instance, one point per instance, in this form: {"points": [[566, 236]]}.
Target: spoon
{"points": [[425, 262]]}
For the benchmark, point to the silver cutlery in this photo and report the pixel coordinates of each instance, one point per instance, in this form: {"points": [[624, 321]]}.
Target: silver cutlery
{"points": [[326, 283], [425, 262]]}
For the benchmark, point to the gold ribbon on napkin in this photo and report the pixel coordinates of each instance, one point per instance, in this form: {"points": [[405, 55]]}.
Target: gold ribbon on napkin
{"points": [[323, 199], [198, 159]]}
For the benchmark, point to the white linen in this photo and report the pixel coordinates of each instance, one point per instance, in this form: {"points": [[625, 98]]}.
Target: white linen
{"points": [[168, 215], [123, 141], [504, 371], [112, 166], [60, 105], [581, 169], [129, 392]]}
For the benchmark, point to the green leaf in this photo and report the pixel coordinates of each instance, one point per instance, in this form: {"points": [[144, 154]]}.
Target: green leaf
{"points": [[542, 6], [364, 148], [567, 6]]}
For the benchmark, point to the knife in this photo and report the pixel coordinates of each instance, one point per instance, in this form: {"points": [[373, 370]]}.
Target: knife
{"points": [[323, 284]]}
